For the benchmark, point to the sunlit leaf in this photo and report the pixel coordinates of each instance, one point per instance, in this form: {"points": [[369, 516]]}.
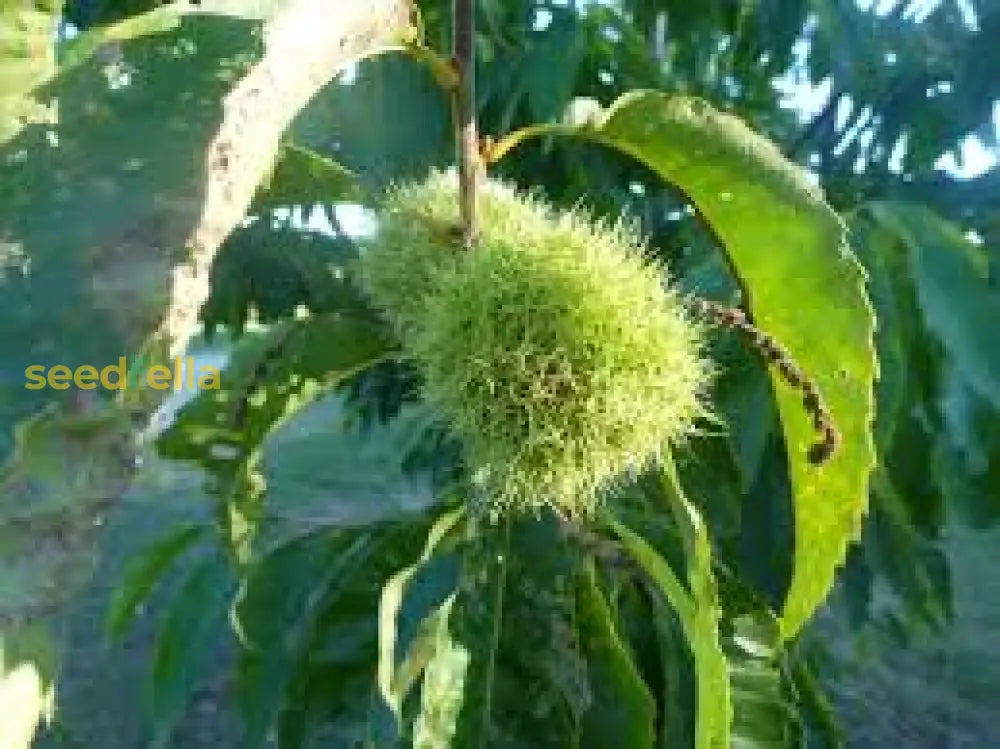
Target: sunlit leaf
{"points": [[27, 58], [395, 681], [443, 686], [788, 249], [713, 697], [697, 608]]}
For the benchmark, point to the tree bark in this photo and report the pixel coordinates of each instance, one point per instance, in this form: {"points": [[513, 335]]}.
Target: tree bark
{"points": [[305, 46]]}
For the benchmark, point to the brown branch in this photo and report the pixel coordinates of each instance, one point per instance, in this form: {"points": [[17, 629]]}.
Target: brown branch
{"points": [[464, 104], [306, 44]]}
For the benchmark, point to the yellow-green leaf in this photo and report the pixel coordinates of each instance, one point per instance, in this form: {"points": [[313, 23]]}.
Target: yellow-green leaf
{"points": [[394, 682], [801, 283], [697, 608], [27, 58]]}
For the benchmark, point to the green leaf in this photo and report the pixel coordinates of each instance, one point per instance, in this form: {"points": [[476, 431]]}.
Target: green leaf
{"points": [[823, 721], [188, 636], [93, 41], [323, 469], [413, 129], [677, 674], [659, 572], [527, 682], [103, 37], [913, 564], [269, 379], [745, 401], [443, 689], [621, 711], [272, 269], [887, 270], [801, 284], [478, 628], [763, 717], [395, 682], [764, 711], [650, 631], [142, 574], [280, 602], [100, 258], [120, 207], [551, 64], [307, 617], [712, 692], [697, 610], [302, 176], [960, 308]]}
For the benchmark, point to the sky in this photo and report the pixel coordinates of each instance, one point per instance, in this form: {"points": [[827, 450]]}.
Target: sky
{"points": [[971, 159]]}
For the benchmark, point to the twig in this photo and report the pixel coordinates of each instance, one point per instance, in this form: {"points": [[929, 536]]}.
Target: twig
{"points": [[464, 104]]}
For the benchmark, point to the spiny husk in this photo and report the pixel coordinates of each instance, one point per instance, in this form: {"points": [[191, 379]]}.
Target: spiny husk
{"points": [[553, 347]]}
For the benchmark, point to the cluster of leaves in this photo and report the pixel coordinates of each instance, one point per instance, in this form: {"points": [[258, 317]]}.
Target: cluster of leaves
{"points": [[938, 396], [656, 624], [469, 645]]}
